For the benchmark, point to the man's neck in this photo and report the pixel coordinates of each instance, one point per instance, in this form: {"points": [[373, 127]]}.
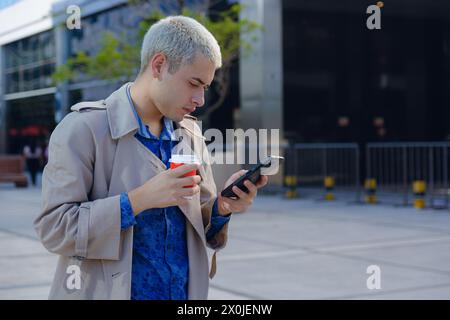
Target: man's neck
{"points": [[144, 105]]}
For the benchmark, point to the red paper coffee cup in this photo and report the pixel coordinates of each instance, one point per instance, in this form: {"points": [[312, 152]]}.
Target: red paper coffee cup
{"points": [[180, 159]]}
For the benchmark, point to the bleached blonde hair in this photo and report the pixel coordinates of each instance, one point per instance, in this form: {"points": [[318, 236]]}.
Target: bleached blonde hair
{"points": [[179, 38]]}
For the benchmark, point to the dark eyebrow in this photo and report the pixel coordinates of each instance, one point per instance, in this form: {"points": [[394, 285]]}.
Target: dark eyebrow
{"points": [[201, 82]]}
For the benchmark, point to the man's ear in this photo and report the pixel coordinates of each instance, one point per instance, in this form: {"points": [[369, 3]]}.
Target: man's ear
{"points": [[156, 64]]}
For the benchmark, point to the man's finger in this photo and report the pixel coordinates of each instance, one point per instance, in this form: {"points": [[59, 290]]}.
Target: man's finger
{"points": [[241, 194], [189, 181], [238, 174], [182, 170], [262, 181], [234, 177], [235, 205], [189, 191], [229, 203], [251, 188], [241, 172]]}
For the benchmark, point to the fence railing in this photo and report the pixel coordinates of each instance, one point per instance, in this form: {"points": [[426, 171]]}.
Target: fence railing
{"points": [[333, 167], [408, 172], [399, 173]]}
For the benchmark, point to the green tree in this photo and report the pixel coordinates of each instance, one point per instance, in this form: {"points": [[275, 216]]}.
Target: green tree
{"points": [[117, 58]]}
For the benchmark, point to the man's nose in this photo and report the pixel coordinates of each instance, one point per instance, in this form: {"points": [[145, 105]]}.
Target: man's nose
{"points": [[199, 99]]}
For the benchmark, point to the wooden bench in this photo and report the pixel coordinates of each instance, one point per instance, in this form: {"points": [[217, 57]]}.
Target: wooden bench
{"points": [[12, 170]]}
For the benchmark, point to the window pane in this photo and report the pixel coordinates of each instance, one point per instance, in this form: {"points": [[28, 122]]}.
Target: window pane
{"points": [[30, 62]]}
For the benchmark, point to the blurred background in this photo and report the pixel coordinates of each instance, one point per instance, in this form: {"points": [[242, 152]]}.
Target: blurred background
{"points": [[311, 69], [363, 114]]}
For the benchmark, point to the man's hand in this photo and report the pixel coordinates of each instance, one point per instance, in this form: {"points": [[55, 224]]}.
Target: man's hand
{"points": [[165, 189], [245, 200]]}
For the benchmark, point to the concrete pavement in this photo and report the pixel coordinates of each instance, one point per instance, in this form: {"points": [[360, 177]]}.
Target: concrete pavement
{"points": [[280, 249]]}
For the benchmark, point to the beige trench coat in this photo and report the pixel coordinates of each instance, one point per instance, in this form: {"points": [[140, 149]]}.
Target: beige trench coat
{"points": [[93, 157]]}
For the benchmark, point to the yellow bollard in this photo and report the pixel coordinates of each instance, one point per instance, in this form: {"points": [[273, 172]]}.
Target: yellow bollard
{"points": [[419, 190], [371, 187], [329, 186], [291, 183]]}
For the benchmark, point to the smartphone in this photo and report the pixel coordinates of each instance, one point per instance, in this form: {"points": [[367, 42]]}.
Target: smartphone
{"points": [[253, 174]]}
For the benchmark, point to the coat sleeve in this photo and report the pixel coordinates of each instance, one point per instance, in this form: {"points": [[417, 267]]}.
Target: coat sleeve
{"points": [[69, 223]]}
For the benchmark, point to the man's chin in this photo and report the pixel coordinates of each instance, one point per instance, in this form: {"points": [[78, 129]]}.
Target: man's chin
{"points": [[176, 118]]}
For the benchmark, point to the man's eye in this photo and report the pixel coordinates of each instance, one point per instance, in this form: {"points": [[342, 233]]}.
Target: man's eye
{"points": [[197, 86]]}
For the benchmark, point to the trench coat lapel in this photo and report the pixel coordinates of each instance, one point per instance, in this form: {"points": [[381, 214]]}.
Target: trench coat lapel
{"points": [[192, 210]]}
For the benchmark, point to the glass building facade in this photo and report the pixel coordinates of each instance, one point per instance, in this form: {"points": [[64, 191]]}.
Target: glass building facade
{"points": [[29, 63], [344, 82], [28, 66], [29, 118]]}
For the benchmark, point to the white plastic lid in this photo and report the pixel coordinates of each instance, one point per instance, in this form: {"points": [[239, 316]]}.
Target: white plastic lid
{"points": [[184, 158]]}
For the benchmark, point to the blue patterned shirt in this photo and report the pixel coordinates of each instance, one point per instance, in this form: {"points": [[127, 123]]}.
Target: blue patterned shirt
{"points": [[160, 259]]}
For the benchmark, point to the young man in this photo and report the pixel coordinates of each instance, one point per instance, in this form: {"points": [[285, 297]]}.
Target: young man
{"points": [[117, 217]]}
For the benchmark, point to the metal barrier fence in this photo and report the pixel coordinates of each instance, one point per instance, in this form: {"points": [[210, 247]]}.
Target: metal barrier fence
{"points": [[397, 173], [334, 167], [410, 173]]}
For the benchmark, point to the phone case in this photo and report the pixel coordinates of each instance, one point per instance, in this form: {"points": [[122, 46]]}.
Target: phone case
{"points": [[252, 175]]}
